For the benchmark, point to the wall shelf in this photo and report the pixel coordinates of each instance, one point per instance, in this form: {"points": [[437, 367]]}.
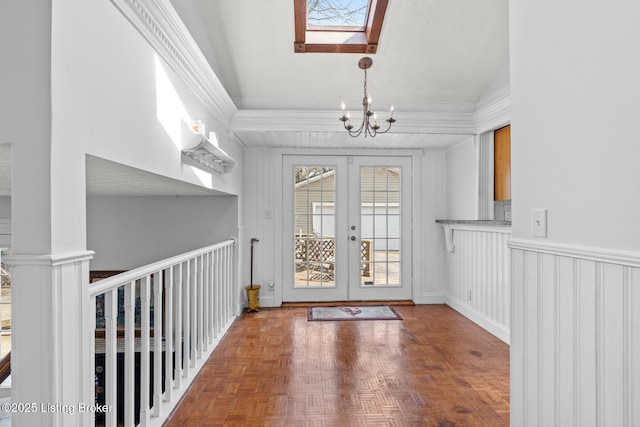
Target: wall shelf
{"points": [[206, 152]]}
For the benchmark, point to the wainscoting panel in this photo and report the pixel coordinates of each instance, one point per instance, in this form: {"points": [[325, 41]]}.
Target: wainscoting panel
{"points": [[575, 337], [479, 276]]}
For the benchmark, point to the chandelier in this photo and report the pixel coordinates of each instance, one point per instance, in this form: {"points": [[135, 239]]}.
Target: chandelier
{"points": [[369, 125]]}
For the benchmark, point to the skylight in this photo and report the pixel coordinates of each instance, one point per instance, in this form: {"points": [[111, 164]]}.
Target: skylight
{"points": [[337, 14], [338, 26]]}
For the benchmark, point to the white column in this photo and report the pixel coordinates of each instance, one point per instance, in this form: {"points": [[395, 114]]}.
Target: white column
{"points": [[52, 361]]}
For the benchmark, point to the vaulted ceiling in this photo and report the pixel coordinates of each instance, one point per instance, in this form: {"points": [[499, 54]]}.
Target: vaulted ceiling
{"points": [[430, 52], [434, 56]]}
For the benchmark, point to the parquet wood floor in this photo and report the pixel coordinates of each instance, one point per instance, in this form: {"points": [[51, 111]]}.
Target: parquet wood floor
{"points": [[274, 368]]}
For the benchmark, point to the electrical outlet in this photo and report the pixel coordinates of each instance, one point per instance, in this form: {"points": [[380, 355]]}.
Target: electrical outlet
{"points": [[539, 223]]}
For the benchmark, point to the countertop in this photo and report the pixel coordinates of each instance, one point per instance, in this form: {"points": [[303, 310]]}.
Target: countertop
{"points": [[486, 223]]}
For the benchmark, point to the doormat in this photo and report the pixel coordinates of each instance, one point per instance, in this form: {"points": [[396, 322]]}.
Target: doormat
{"points": [[380, 312]]}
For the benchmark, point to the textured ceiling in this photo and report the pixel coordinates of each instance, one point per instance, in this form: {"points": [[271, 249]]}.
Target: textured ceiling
{"points": [[105, 178]]}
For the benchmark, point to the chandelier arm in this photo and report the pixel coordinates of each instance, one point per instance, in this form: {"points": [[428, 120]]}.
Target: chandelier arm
{"points": [[387, 129]]}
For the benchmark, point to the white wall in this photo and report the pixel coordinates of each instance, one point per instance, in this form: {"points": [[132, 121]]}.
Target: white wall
{"points": [[130, 231], [575, 330], [431, 261], [462, 179], [120, 101], [574, 104]]}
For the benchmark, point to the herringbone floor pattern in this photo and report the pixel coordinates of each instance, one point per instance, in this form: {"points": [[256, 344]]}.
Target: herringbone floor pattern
{"points": [[274, 368]]}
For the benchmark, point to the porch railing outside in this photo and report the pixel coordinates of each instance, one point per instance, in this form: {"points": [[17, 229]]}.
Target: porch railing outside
{"points": [[155, 327]]}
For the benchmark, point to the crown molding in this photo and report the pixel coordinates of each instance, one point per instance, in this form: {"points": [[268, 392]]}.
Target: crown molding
{"points": [[159, 23], [493, 115], [327, 121], [444, 120]]}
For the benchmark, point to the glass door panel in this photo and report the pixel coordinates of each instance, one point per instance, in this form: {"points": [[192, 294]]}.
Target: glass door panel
{"points": [[347, 225], [314, 242], [311, 216], [381, 212]]}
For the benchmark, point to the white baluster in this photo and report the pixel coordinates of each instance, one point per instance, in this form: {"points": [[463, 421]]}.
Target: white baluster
{"points": [[111, 356], [168, 334], [193, 309], [219, 293], [199, 302], [205, 302], [145, 332], [129, 353], [157, 341], [186, 304], [230, 284], [179, 339], [223, 283]]}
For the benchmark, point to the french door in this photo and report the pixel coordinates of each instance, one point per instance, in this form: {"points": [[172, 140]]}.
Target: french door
{"points": [[347, 228]]}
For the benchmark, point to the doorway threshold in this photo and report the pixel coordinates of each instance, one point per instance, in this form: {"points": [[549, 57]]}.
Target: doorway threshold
{"points": [[346, 303]]}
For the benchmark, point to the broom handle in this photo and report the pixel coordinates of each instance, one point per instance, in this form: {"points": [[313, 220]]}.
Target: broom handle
{"points": [[253, 240], [251, 281]]}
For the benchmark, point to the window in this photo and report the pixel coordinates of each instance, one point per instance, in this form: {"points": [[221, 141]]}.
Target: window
{"points": [[339, 26], [337, 15]]}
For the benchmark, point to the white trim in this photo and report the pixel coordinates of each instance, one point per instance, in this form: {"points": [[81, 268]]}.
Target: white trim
{"points": [[480, 227], [477, 317], [456, 120], [611, 256], [485, 176], [319, 121], [493, 115], [159, 23], [368, 152], [49, 259], [417, 248], [433, 298], [5, 226]]}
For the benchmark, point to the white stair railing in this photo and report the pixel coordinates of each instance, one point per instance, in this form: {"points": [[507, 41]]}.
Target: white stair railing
{"points": [[170, 314]]}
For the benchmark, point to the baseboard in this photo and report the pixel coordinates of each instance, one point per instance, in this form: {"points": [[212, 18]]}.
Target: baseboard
{"points": [[479, 318], [348, 303], [268, 300], [432, 298]]}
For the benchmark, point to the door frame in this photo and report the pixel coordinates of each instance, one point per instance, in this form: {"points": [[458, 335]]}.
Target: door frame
{"points": [[405, 291], [336, 293], [415, 155]]}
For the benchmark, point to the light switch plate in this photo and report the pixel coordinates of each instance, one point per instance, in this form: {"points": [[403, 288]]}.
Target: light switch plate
{"points": [[539, 222]]}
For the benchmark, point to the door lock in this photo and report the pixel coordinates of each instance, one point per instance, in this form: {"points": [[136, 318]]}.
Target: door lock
{"points": [[353, 238], [353, 227]]}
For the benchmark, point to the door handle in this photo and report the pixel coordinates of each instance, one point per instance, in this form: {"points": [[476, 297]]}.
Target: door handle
{"points": [[353, 238]]}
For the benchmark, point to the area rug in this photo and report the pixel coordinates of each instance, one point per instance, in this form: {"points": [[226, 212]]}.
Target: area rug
{"points": [[379, 312]]}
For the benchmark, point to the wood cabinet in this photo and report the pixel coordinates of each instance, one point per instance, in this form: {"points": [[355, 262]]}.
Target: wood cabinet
{"points": [[502, 164]]}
